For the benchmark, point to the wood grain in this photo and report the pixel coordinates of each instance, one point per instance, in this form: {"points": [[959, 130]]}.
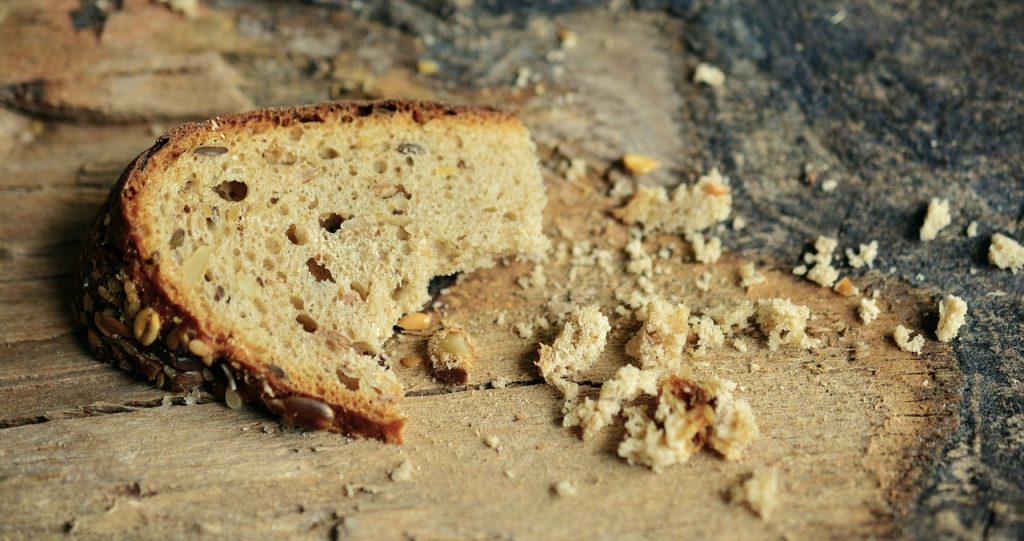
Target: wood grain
{"points": [[92, 452]]}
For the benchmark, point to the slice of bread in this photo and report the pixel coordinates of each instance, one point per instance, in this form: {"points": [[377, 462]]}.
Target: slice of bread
{"points": [[268, 254]]}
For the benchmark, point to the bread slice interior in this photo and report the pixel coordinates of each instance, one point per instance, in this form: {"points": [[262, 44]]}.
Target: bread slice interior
{"points": [[296, 241]]}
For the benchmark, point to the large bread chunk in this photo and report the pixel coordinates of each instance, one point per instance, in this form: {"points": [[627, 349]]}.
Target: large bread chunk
{"points": [[267, 255]]}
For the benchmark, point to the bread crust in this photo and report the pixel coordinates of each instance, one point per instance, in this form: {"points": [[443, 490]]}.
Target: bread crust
{"points": [[115, 283]]}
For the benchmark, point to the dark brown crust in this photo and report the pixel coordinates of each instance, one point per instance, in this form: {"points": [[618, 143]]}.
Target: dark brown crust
{"points": [[110, 266]]}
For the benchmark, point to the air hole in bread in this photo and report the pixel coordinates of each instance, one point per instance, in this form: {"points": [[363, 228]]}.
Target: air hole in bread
{"points": [[331, 222], [398, 290], [348, 381], [274, 246], [328, 153], [308, 323], [296, 133], [232, 190], [320, 272], [177, 238], [297, 235], [380, 166], [268, 263], [297, 302], [360, 289], [403, 234]]}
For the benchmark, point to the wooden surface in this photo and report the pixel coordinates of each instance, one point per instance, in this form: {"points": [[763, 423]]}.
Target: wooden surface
{"points": [[855, 427]]}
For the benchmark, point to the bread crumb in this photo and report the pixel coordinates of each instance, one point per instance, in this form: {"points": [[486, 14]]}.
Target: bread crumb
{"points": [[936, 218], [536, 278], [1006, 253], [800, 270], [564, 489], [576, 169], [188, 8], [660, 341], [687, 417], [427, 67], [524, 329], [628, 383], [822, 272], [689, 210], [567, 38], [759, 492], [492, 441], [703, 281], [708, 335], [510, 474], [709, 75], [732, 319], [577, 346], [829, 185], [452, 354], [846, 288], [866, 256], [868, 309], [749, 277], [706, 252], [739, 223], [784, 323], [902, 337], [499, 382], [402, 473], [739, 344], [622, 187], [952, 313], [639, 260], [639, 164], [972, 230]]}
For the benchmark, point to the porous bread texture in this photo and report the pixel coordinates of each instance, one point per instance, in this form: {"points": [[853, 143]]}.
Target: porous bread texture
{"points": [[628, 383], [709, 335], [901, 335], [866, 256], [822, 272], [1006, 253], [296, 238], [937, 218], [785, 323], [759, 492], [732, 318], [577, 346], [657, 346], [868, 309], [690, 209], [688, 416], [660, 341], [952, 314]]}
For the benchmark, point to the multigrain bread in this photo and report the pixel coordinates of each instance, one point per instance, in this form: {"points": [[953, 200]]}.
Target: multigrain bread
{"points": [[267, 255]]}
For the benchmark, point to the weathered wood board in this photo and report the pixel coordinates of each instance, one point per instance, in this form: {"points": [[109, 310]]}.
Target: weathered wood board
{"points": [[854, 426]]}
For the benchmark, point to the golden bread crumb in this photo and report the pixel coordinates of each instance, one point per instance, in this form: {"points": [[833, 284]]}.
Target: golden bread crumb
{"points": [[936, 218], [785, 323], [759, 492], [1006, 253], [902, 337], [952, 313]]}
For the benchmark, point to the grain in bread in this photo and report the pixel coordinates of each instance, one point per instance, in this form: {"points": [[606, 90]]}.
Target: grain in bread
{"points": [[452, 355], [279, 247]]}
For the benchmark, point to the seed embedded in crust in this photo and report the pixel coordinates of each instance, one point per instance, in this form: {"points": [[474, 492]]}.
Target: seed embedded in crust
{"points": [[232, 399], [210, 151], [199, 348], [110, 326], [93, 338], [147, 326], [416, 322], [195, 266], [307, 412]]}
